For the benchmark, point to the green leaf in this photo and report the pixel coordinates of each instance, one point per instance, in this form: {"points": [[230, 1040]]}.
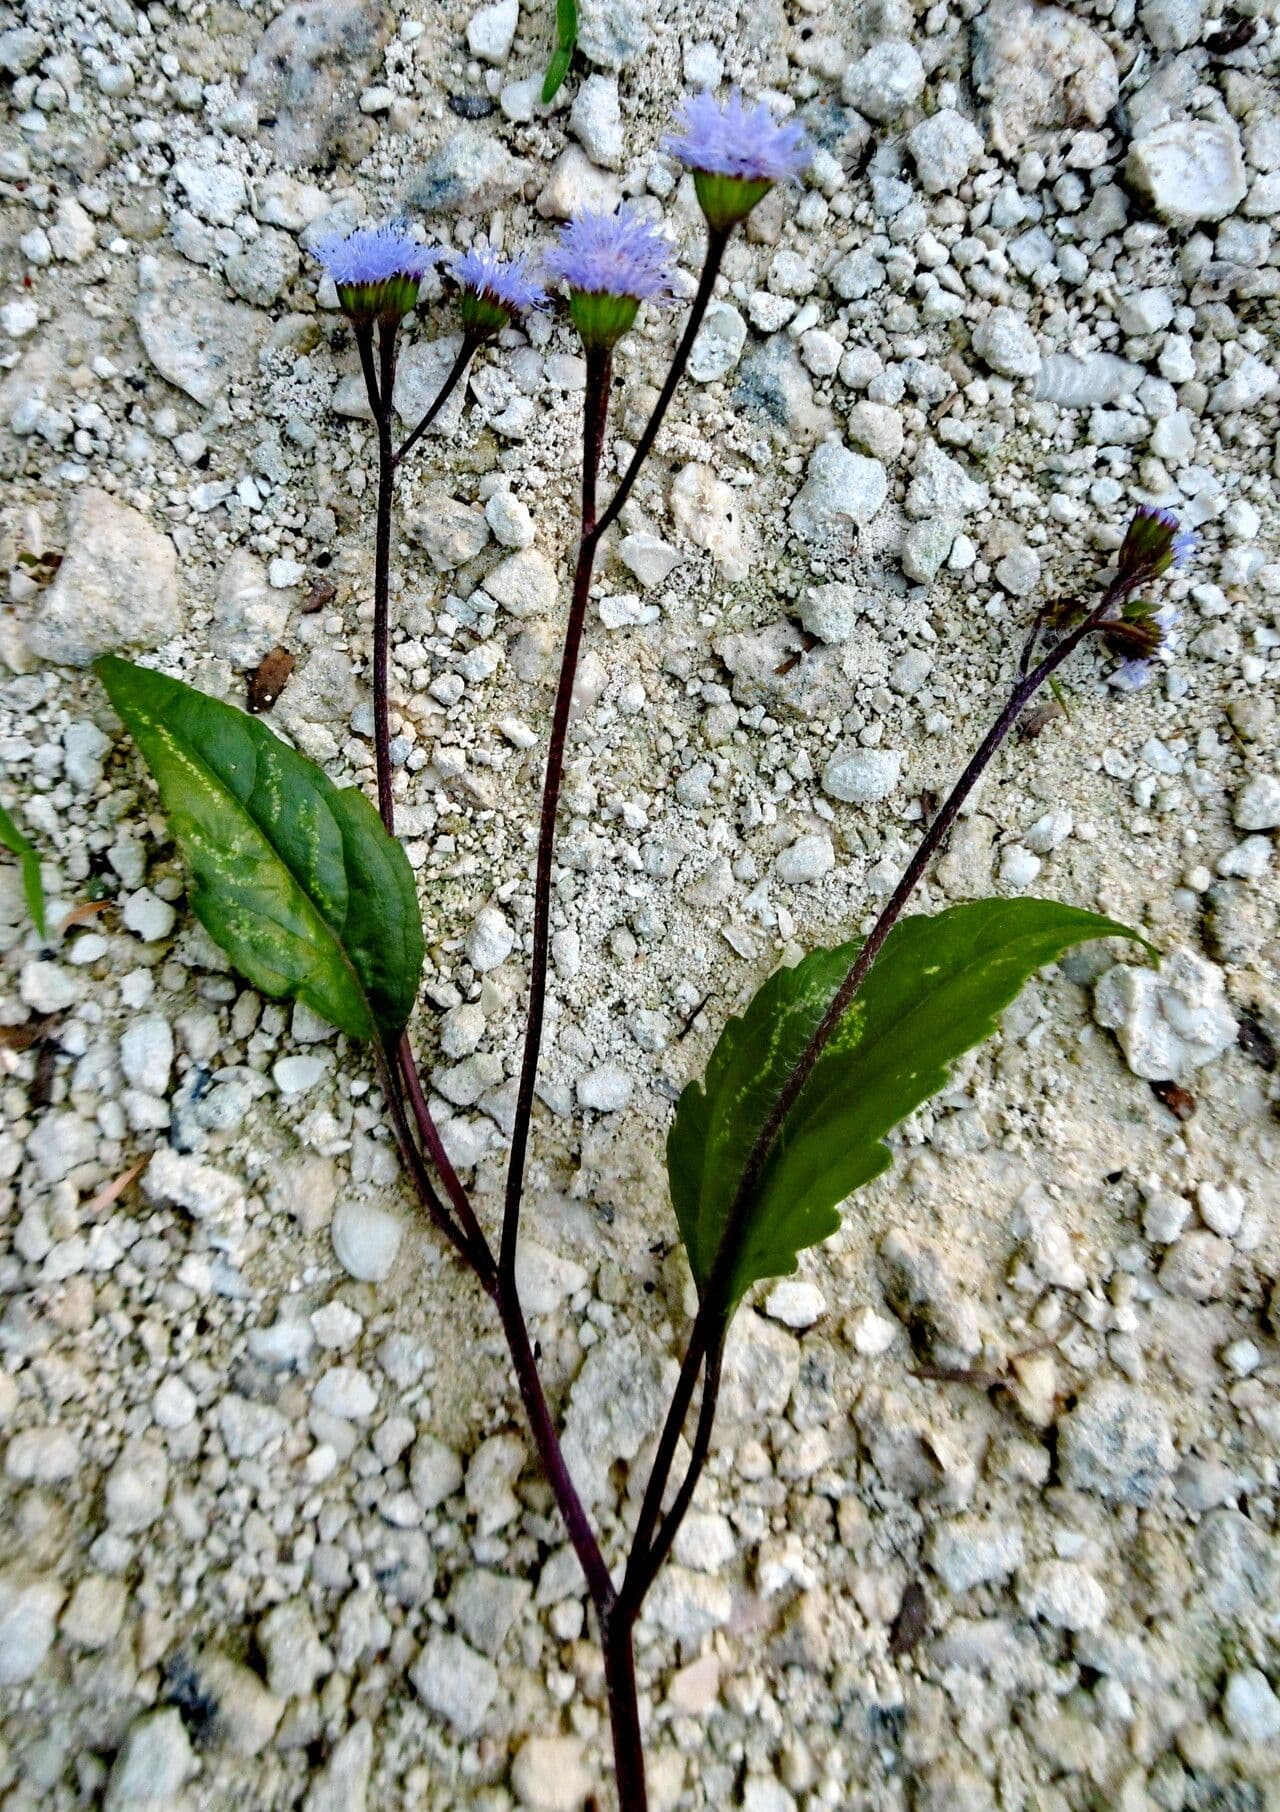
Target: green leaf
{"points": [[566, 43], [934, 991], [297, 881], [32, 886]]}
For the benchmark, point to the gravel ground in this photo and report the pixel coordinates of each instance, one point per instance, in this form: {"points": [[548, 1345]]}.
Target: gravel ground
{"points": [[992, 1518]]}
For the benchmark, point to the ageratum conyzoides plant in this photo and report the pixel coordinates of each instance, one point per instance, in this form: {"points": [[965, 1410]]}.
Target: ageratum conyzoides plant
{"points": [[306, 888]]}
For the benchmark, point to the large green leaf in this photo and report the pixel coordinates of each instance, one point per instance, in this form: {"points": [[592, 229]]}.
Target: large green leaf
{"points": [[296, 880], [934, 991], [32, 885]]}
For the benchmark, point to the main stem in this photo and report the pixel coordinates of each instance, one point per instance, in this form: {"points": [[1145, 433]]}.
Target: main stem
{"points": [[595, 411], [403, 1084], [706, 1335]]}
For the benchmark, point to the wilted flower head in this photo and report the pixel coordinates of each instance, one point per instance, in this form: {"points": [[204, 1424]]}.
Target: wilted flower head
{"points": [[1153, 543], [377, 270], [611, 263], [736, 152], [493, 290], [1139, 635]]}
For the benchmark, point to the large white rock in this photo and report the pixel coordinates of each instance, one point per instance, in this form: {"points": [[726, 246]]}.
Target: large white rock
{"points": [[117, 586], [840, 488], [1040, 69], [1192, 170], [192, 334], [709, 512], [1169, 1021]]}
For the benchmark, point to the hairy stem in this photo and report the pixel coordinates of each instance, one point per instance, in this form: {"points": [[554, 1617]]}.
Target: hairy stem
{"points": [[706, 1334], [466, 352], [716, 242], [399, 1069], [599, 367], [593, 529], [624, 1715]]}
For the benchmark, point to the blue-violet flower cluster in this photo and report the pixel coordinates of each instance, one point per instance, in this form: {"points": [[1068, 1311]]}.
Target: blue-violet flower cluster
{"points": [[377, 270], [493, 290], [610, 263], [737, 153]]}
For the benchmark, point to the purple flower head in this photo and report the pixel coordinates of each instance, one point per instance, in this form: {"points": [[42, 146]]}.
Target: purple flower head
{"points": [[734, 139], [610, 263], [511, 282], [373, 254], [620, 254], [493, 290], [377, 270], [1153, 543]]}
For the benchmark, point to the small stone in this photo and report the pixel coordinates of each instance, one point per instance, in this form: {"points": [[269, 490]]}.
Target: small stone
{"points": [[491, 31], [248, 1428], [454, 1682], [1004, 341], [239, 1712], [193, 336], [1063, 1593], [146, 1053], [173, 1178], [1196, 1266], [688, 1605], [576, 184], [1164, 1215], [214, 192], [137, 1487], [544, 1279], [291, 1647], [945, 147], [607, 1089], [1018, 867], [73, 235], [451, 532], [435, 1472], [1192, 169], [924, 548], [862, 776], [550, 1775], [485, 1606], [153, 1765], [297, 1074], [470, 169], [1257, 804], [832, 612], [761, 1367], [42, 1456], [1221, 1209], [93, 1618], [840, 487], [47, 987], [1043, 70], [29, 1606], [795, 1302], [148, 916], [719, 343], [616, 1403], [707, 512], [524, 583], [490, 940], [596, 121], [116, 587], [342, 1785], [970, 1551], [509, 519], [1169, 1022], [345, 1391], [613, 34], [876, 429], [886, 81], [1251, 1708], [807, 859], [1116, 1444], [941, 489], [648, 558]]}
